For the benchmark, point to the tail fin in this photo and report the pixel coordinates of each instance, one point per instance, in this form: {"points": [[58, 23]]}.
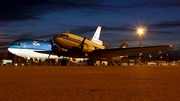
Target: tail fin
{"points": [[97, 33], [124, 44], [96, 36]]}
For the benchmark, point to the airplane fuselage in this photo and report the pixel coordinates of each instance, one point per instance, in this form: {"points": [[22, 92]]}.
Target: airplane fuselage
{"points": [[29, 48], [69, 41]]}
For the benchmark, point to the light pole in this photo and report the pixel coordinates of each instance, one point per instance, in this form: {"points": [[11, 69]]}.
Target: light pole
{"points": [[140, 31]]}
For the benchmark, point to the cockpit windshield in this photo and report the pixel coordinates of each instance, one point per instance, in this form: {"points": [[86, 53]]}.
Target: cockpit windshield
{"points": [[16, 43], [63, 35]]}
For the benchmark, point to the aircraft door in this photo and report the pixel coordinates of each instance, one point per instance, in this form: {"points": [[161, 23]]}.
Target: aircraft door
{"points": [[25, 45]]}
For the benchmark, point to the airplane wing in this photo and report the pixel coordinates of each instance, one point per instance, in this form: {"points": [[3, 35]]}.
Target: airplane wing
{"points": [[107, 53]]}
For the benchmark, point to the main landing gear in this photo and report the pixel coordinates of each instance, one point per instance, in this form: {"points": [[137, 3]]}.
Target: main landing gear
{"points": [[91, 62], [65, 62]]}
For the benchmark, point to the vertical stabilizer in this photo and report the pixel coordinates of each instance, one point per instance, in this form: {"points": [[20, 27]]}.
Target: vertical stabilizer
{"points": [[96, 36], [97, 33], [124, 44]]}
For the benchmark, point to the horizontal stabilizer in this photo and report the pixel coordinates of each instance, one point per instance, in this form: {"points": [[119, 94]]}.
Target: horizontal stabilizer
{"points": [[124, 44]]}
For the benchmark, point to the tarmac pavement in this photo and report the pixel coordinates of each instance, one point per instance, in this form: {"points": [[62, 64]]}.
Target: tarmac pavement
{"points": [[90, 83]]}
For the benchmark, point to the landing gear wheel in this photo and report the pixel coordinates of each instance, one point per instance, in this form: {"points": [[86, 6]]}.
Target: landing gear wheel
{"points": [[90, 62], [65, 62]]}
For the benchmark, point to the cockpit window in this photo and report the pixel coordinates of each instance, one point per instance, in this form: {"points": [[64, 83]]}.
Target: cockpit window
{"points": [[63, 35], [16, 43]]}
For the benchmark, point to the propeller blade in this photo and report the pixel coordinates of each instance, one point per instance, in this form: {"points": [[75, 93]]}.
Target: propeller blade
{"points": [[49, 54], [51, 48], [51, 43], [82, 42]]}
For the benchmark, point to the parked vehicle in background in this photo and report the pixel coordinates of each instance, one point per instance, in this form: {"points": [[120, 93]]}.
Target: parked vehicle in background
{"points": [[151, 63], [163, 63], [174, 63], [6, 62]]}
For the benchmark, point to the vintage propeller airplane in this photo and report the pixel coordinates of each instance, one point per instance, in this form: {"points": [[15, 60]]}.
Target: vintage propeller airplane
{"points": [[79, 47]]}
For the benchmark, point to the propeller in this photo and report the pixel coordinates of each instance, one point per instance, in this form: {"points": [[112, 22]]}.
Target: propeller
{"points": [[51, 48], [51, 42], [81, 44]]}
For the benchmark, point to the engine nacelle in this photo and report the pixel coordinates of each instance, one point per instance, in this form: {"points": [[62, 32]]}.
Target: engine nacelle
{"points": [[38, 60], [78, 60], [87, 48], [58, 50]]}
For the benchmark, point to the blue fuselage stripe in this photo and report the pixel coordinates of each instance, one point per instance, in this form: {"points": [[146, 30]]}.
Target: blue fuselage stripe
{"points": [[31, 45]]}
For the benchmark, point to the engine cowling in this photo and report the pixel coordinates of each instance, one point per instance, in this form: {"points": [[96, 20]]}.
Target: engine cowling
{"points": [[58, 50], [36, 60], [86, 48]]}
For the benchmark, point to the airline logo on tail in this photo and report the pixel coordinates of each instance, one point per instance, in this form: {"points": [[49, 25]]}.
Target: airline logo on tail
{"points": [[96, 36], [97, 33]]}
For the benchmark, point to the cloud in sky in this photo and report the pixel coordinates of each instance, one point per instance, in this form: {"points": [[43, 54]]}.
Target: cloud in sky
{"points": [[43, 19], [12, 10], [166, 24]]}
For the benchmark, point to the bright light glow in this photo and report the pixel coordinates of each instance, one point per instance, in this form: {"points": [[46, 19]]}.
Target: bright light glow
{"points": [[140, 31]]}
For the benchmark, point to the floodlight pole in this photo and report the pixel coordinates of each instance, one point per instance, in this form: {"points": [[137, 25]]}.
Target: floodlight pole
{"points": [[140, 32]]}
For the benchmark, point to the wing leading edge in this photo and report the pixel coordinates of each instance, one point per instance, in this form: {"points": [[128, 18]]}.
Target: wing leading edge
{"points": [[107, 53]]}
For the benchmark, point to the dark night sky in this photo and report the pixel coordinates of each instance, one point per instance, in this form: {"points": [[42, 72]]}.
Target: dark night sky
{"points": [[43, 19]]}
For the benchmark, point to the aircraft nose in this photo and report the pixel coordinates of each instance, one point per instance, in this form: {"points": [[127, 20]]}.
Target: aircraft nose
{"points": [[59, 40], [56, 39], [10, 48]]}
